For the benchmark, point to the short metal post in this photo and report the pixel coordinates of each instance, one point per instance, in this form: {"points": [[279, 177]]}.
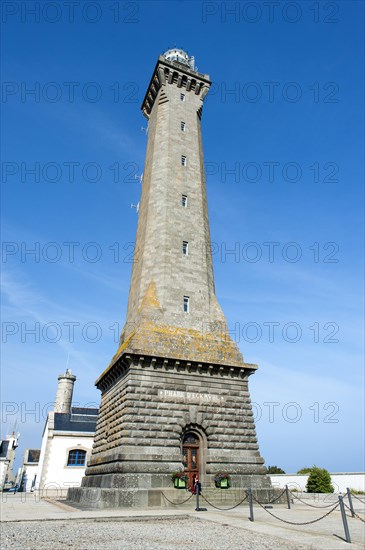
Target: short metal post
{"points": [[350, 502], [197, 501], [288, 496], [250, 503], [344, 519], [198, 488]]}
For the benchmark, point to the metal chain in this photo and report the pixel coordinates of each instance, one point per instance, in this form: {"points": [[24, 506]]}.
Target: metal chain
{"points": [[362, 501], [311, 505], [294, 522], [176, 503], [223, 509], [275, 499], [355, 514]]}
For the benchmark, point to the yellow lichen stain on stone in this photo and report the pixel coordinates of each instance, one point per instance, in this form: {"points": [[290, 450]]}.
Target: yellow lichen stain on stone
{"points": [[150, 298], [180, 343], [157, 339], [124, 345]]}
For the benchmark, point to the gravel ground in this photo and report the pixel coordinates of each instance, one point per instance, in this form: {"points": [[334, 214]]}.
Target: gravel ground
{"points": [[189, 534]]}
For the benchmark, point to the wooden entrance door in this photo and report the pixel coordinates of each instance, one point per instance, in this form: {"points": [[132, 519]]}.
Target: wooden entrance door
{"points": [[190, 452]]}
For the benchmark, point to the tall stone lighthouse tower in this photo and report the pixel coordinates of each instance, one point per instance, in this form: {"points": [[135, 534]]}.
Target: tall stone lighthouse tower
{"points": [[175, 394]]}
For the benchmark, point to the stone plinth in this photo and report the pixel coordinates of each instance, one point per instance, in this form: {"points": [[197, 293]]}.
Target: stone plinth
{"points": [[148, 403]]}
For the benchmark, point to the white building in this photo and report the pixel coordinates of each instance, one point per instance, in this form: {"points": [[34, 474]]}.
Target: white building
{"points": [[66, 442], [29, 470], [7, 456]]}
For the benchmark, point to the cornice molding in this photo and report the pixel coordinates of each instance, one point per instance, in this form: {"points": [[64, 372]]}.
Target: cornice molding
{"points": [[128, 361]]}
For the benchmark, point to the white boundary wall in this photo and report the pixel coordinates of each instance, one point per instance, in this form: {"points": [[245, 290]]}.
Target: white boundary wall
{"points": [[340, 481]]}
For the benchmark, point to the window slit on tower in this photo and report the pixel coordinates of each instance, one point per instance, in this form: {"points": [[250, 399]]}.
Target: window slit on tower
{"points": [[184, 201], [182, 125], [183, 160], [185, 248], [186, 304]]}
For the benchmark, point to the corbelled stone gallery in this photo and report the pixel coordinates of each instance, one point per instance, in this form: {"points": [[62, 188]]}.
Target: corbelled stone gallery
{"points": [[175, 395]]}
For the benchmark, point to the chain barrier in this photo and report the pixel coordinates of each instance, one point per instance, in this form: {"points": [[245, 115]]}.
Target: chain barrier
{"points": [[294, 522], [357, 498], [355, 514], [311, 505], [176, 503], [223, 509]]}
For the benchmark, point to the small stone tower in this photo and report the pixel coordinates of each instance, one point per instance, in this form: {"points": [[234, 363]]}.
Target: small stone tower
{"points": [[64, 392], [175, 394]]}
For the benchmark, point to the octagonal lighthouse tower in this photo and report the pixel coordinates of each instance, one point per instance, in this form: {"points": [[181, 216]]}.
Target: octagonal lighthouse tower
{"points": [[175, 395]]}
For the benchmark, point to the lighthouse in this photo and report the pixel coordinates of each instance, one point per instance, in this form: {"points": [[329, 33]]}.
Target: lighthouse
{"points": [[175, 395]]}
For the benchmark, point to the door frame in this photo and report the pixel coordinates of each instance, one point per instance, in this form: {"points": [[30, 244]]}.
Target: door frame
{"points": [[190, 447], [202, 445]]}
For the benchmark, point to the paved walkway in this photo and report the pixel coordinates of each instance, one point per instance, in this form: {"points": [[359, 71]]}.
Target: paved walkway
{"points": [[327, 534]]}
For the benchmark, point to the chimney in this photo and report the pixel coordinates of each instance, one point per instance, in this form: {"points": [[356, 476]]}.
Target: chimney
{"points": [[64, 392]]}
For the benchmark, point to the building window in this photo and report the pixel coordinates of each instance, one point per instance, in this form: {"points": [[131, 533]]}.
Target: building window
{"points": [[185, 248], [182, 126], [186, 304], [184, 201], [76, 457], [182, 97], [183, 160]]}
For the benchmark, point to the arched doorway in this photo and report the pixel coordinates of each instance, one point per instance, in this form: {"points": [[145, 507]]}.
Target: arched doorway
{"points": [[191, 455]]}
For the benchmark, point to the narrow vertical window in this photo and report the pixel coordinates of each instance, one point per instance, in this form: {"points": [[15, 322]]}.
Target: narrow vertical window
{"points": [[182, 97], [184, 201], [185, 248], [183, 160], [186, 304], [182, 126]]}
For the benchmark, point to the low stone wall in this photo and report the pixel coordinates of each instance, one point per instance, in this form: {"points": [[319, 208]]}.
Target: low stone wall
{"points": [[340, 481]]}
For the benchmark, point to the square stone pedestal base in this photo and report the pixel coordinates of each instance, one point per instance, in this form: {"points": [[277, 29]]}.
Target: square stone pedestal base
{"points": [[95, 498]]}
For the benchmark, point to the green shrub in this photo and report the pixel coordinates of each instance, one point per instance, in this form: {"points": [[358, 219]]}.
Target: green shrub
{"points": [[319, 481], [304, 471], [274, 470], [356, 492]]}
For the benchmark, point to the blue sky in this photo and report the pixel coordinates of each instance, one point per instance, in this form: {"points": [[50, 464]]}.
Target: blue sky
{"points": [[285, 114]]}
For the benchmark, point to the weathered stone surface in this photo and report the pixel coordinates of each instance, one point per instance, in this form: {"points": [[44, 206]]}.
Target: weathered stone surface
{"points": [[156, 323], [230, 445]]}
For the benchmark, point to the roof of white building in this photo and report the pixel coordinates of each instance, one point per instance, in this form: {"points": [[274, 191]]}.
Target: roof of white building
{"points": [[79, 420], [4, 448]]}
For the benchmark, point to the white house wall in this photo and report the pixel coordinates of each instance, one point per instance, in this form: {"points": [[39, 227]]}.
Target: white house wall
{"points": [[4, 464], [30, 471], [58, 477], [42, 453]]}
